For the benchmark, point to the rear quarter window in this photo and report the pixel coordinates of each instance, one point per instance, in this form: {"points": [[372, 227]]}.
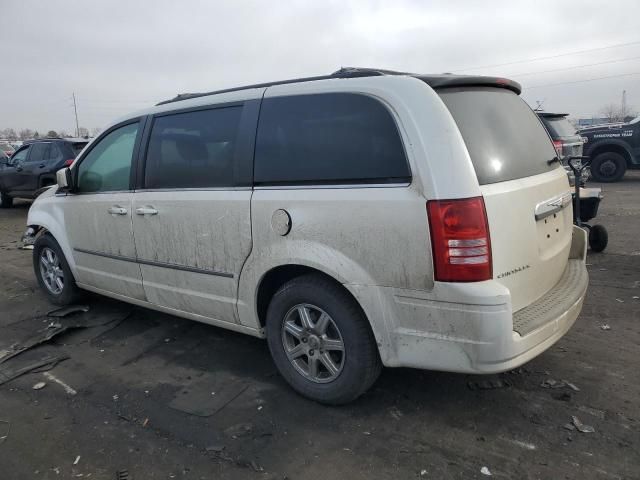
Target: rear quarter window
{"points": [[504, 137], [329, 138]]}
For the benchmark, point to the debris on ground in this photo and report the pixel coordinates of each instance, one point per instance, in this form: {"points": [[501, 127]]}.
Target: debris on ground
{"points": [[55, 379], [65, 311], [605, 326], [569, 426], [488, 384], [6, 434], [215, 448], [581, 427], [551, 383], [77, 460], [7, 373], [122, 475], [619, 300], [592, 411], [39, 386], [239, 430], [145, 423], [485, 471], [38, 338]]}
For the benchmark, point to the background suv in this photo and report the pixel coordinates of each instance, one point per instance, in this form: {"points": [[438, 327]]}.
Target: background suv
{"points": [[34, 165]]}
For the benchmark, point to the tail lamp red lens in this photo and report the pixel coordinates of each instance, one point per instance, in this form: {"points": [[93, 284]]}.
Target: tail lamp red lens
{"points": [[557, 144], [68, 163], [460, 240]]}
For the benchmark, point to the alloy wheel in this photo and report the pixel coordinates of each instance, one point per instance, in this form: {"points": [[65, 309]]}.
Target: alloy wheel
{"points": [[51, 271], [313, 343]]}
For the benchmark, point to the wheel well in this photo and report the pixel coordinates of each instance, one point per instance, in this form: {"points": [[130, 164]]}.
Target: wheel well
{"points": [[611, 148], [277, 277]]}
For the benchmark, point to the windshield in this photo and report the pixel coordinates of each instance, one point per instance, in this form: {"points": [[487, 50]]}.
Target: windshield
{"points": [[559, 127], [504, 137]]}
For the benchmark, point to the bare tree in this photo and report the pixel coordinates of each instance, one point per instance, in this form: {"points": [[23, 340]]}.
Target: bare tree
{"points": [[83, 132], [63, 134], [9, 134], [613, 112], [25, 134], [52, 134]]}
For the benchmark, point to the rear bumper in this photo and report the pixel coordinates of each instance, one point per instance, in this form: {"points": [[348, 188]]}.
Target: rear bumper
{"points": [[470, 328]]}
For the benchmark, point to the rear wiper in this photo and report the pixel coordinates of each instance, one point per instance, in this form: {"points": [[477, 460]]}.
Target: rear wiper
{"points": [[553, 160]]}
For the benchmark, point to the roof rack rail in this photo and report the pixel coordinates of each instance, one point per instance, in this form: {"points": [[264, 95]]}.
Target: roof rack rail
{"points": [[344, 72], [444, 80]]}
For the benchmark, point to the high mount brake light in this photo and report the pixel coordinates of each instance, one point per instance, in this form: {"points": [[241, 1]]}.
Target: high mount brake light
{"points": [[460, 240]]}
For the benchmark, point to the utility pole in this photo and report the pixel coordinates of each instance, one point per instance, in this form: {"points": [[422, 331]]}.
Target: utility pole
{"points": [[623, 107], [75, 109]]}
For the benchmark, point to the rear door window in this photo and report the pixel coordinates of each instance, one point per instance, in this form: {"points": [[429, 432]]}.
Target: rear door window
{"points": [[503, 135], [193, 149], [328, 138], [52, 154], [38, 152]]}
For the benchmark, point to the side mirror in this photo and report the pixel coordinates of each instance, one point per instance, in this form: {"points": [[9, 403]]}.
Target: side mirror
{"points": [[64, 179]]}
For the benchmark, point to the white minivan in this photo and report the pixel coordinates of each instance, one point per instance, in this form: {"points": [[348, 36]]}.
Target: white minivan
{"points": [[354, 220]]}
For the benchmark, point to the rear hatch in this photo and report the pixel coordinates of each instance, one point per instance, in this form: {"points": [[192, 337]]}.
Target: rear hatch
{"points": [[527, 197]]}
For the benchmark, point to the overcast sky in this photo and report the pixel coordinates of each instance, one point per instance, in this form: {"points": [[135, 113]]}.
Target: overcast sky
{"points": [[118, 56]]}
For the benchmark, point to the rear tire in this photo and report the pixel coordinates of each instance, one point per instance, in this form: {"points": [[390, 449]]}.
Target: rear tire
{"points": [[5, 200], [598, 238], [608, 167], [53, 272], [321, 341]]}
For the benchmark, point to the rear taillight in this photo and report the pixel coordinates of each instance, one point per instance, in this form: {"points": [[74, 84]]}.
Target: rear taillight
{"points": [[68, 163], [557, 144], [460, 240]]}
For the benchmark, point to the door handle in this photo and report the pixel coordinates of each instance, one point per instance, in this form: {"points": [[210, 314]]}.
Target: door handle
{"points": [[42, 165], [116, 210], [146, 211]]}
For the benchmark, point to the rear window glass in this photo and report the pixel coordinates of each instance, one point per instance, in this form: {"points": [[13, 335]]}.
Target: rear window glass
{"points": [[77, 148], [328, 138], [504, 137], [559, 127]]}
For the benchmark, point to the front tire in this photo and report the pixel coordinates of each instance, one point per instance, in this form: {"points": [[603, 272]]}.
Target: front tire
{"points": [[5, 200], [608, 167], [53, 272], [320, 340]]}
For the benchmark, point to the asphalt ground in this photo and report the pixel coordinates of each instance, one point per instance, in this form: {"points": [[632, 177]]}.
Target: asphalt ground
{"points": [[143, 395]]}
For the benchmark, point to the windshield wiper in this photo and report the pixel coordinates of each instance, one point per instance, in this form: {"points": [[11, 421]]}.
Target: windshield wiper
{"points": [[553, 160]]}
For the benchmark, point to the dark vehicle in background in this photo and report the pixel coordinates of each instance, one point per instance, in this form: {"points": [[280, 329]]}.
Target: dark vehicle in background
{"points": [[34, 165], [613, 149], [566, 140]]}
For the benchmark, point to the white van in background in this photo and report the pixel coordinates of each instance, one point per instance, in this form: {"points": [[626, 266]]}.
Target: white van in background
{"points": [[355, 220]]}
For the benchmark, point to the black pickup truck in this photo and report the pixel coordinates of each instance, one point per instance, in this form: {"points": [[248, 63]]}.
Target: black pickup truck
{"points": [[613, 149]]}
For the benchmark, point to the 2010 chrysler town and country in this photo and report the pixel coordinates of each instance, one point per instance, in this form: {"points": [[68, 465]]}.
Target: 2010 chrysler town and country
{"points": [[361, 219]]}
